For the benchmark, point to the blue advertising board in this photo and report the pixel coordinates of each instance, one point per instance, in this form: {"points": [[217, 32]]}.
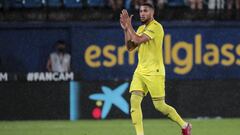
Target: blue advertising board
{"points": [[100, 54], [200, 52], [191, 50]]}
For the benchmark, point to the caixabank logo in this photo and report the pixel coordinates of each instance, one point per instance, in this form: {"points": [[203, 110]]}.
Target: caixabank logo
{"points": [[109, 98]]}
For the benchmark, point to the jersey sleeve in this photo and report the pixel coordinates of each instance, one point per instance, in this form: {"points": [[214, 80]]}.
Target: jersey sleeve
{"points": [[139, 31]]}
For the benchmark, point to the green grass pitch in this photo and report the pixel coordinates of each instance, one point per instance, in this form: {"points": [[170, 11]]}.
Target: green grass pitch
{"points": [[118, 127]]}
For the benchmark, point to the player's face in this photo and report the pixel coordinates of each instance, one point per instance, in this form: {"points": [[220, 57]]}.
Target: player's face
{"points": [[146, 13]]}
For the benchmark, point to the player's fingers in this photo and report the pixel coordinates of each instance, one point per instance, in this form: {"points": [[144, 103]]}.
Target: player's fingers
{"points": [[122, 16], [122, 13], [131, 17], [121, 20], [125, 12]]}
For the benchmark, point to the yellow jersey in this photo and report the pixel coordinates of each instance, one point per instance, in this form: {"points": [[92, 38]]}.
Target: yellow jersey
{"points": [[150, 58]]}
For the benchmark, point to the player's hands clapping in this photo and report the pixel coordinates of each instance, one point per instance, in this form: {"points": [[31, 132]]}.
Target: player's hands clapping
{"points": [[125, 20]]}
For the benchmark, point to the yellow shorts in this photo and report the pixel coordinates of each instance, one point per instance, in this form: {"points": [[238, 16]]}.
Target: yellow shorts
{"points": [[155, 84]]}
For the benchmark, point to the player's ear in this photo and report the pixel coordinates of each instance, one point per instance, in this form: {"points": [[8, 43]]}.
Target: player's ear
{"points": [[153, 11]]}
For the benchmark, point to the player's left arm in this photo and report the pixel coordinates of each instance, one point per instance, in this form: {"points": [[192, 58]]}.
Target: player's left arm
{"points": [[135, 38]]}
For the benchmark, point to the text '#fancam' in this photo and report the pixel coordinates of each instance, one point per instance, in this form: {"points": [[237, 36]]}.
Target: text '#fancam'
{"points": [[50, 76], [182, 55]]}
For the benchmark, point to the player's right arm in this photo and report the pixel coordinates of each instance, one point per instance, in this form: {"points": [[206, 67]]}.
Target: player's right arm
{"points": [[127, 38]]}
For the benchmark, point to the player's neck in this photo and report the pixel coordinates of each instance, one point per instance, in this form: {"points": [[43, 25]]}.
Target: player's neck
{"points": [[150, 20]]}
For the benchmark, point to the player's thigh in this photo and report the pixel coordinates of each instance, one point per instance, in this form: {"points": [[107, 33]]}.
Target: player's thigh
{"points": [[138, 84], [156, 85]]}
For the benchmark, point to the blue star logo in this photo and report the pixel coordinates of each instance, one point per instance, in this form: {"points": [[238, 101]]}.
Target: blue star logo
{"points": [[112, 97]]}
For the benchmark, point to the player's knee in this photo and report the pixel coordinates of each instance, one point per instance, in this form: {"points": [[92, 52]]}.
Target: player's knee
{"points": [[161, 106], [135, 101]]}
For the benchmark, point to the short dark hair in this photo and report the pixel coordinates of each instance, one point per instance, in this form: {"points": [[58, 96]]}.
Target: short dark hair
{"points": [[147, 4]]}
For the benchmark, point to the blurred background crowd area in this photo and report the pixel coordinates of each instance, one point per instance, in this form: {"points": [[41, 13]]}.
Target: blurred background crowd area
{"points": [[87, 10]]}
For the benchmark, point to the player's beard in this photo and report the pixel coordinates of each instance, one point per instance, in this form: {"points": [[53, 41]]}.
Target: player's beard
{"points": [[144, 21]]}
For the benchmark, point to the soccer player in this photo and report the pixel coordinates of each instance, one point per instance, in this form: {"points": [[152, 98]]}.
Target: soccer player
{"points": [[149, 75]]}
